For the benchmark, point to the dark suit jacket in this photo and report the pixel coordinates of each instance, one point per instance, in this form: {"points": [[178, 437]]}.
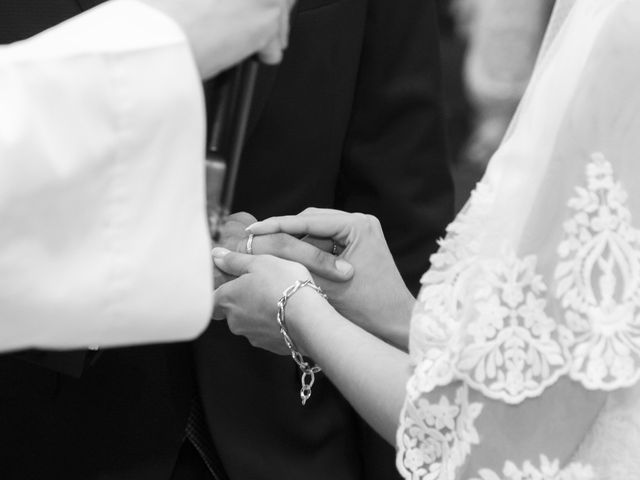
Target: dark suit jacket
{"points": [[351, 119]]}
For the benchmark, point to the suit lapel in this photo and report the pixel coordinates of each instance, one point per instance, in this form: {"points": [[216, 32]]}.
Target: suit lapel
{"points": [[266, 80]]}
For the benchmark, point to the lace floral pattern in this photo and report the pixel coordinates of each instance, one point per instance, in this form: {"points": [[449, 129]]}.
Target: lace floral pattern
{"points": [[504, 344], [490, 320], [515, 349], [546, 471], [436, 338], [598, 282], [437, 437]]}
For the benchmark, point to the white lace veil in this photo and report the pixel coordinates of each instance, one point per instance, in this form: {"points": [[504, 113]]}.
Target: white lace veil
{"points": [[561, 9], [538, 277]]}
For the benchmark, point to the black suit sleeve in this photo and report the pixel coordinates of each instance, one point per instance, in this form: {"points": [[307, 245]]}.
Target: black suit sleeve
{"points": [[395, 162], [72, 363]]}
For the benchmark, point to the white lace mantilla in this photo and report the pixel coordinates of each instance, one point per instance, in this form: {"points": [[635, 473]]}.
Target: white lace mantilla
{"points": [[546, 470], [598, 281], [492, 321], [436, 438]]}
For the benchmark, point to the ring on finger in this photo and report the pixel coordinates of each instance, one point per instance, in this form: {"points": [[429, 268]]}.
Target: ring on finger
{"points": [[334, 250], [250, 244]]}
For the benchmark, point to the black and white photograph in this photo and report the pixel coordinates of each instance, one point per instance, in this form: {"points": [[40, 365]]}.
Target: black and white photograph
{"points": [[319, 240]]}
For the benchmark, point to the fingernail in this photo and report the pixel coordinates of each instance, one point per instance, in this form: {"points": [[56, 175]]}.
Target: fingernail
{"points": [[219, 252], [250, 227], [343, 267]]}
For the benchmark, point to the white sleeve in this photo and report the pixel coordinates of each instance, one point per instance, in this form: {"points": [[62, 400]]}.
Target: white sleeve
{"points": [[103, 233]]}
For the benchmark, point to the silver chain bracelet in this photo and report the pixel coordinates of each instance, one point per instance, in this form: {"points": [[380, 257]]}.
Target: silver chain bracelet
{"points": [[308, 377]]}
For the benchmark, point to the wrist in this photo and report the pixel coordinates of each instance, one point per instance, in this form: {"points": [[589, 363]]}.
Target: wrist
{"points": [[308, 369], [398, 330], [305, 311]]}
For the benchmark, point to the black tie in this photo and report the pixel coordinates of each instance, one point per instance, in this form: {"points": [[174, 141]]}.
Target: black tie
{"points": [[197, 433]]}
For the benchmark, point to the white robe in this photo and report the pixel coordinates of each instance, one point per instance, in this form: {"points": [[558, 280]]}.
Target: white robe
{"points": [[103, 233]]}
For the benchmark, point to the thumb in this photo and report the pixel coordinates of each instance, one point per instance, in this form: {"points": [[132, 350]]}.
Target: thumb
{"points": [[233, 263], [219, 310]]}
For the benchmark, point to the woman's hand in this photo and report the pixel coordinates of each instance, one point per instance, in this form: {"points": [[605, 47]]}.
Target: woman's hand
{"points": [[249, 302], [375, 298], [370, 373], [313, 253]]}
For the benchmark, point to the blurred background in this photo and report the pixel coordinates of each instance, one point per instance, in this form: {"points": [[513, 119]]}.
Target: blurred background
{"points": [[489, 48]]}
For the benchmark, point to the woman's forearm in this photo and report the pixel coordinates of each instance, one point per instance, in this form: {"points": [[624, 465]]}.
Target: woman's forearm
{"points": [[370, 373], [396, 331], [372, 376]]}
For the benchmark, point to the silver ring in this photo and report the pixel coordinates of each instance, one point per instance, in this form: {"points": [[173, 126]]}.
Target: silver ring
{"points": [[250, 244], [334, 251]]}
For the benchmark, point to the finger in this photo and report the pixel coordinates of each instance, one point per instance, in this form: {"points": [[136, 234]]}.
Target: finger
{"points": [[324, 244], [233, 236], [241, 217], [335, 226], [222, 300], [220, 278], [272, 53], [317, 261], [219, 304], [232, 263], [322, 211]]}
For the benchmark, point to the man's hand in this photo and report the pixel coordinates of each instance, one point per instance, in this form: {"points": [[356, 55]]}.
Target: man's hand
{"points": [[224, 32], [313, 253], [249, 301], [233, 236]]}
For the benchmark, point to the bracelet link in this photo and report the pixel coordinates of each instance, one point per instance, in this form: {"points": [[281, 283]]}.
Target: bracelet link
{"points": [[308, 377]]}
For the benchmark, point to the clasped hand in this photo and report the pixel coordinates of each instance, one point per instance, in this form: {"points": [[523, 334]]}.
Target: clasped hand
{"points": [[362, 282]]}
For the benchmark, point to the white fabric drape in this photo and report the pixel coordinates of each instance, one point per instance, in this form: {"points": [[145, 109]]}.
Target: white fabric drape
{"points": [[103, 235], [532, 304]]}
